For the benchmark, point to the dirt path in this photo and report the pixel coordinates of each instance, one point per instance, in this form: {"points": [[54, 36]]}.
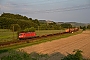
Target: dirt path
{"points": [[64, 45]]}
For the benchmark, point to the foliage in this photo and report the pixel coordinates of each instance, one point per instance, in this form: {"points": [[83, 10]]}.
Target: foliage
{"points": [[7, 19], [5, 23], [17, 55], [83, 27], [49, 26], [76, 56], [36, 21], [21, 55], [32, 29], [14, 16], [66, 25], [30, 18], [15, 27], [88, 27]]}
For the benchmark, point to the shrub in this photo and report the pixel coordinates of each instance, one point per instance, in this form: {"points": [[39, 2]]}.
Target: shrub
{"points": [[21, 55], [32, 29], [76, 56], [88, 27], [17, 55]]}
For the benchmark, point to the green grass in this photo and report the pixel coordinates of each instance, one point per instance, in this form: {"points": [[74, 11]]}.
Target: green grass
{"points": [[45, 32], [42, 40], [7, 35]]}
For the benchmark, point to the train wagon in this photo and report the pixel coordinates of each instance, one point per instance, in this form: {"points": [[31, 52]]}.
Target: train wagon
{"points": [[26, 35], [71, 30]]}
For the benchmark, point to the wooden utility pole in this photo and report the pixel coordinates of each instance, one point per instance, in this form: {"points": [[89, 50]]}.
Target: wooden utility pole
{"points": [[13, 32], [38, 28]]}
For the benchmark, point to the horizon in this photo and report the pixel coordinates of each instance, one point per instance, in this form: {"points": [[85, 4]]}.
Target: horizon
{"points": [[51, 20], [54, 10]]}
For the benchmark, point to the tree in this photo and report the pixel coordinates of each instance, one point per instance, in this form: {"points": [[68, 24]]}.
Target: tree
{"points": [[5, 23], [88, 27], [15, 27], [36, 21], [43, 27], [32, 29], [30, 18], [14, 16], [66, 25], [83, 27], [25, 18]]}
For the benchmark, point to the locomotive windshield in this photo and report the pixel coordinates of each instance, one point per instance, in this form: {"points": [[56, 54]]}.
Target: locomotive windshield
{"points": [[20, 34]]}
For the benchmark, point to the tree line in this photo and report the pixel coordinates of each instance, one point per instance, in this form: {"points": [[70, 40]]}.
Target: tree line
{"points": [[8, 20]]}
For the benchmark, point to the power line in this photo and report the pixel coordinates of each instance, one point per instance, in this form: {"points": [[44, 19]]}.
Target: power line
{"points": [[48, 2], [73, 8], [36, 3], [80, 7]]}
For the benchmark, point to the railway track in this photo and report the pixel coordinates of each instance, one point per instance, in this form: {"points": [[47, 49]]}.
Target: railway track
{"points": [[31, 39]]}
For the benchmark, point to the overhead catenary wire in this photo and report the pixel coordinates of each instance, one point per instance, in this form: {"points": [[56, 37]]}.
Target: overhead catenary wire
{"points": [[73, 8], [40, 3], [44, 2], [55, 10]]}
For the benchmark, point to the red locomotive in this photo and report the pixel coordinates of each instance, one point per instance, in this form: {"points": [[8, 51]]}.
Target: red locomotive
{"points": [[25, 35]]}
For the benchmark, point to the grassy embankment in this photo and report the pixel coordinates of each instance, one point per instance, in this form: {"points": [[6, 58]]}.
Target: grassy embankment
{"points": [[15, 46]]}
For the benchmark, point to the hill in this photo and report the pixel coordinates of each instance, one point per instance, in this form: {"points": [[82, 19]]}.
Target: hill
{"points": [[7, 19], [76, 24]]}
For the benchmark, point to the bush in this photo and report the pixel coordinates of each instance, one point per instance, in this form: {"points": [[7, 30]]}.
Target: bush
{"points": [[21, 55], [32, 29], [88, 27], [76, 56], [84, 28], [17, 55]]}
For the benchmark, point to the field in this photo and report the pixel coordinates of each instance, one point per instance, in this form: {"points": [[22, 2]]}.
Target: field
{"points": [[38, 41], [7, 35], [43, 40], [59, 47], [45, 32], [64, 45]]}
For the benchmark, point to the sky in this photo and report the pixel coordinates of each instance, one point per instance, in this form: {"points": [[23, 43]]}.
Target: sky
{"points": [[54, 10]]}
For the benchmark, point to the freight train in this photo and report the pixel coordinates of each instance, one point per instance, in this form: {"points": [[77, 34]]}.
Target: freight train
{"points": [[26, 35]]}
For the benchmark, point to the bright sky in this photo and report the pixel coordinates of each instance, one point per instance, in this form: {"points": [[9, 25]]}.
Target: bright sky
{"points": [[54, 10]]}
